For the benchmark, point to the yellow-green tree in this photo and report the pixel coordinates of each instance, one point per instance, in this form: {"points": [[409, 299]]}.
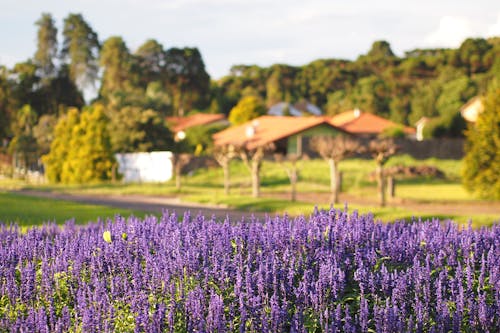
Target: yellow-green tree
{"points": [[248, 108], [481, 174], [59, 149], [81, 150]]}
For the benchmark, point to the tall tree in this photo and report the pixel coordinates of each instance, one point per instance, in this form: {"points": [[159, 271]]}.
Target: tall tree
{"points": [[46, 50], [188, 81], [60, 148], [80, 49], [151, 60], [482, 158], [116, 61]]}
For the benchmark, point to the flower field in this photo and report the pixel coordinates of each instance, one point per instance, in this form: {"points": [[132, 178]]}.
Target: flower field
{"points": [[330, 272]]}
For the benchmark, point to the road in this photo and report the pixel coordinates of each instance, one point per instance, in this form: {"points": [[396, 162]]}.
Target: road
{"points": [[145, 203]]}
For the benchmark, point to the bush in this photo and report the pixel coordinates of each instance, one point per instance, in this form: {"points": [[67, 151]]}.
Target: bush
{"points": [[481, 173]]}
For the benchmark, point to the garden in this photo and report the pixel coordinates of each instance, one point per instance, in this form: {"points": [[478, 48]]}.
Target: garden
{"points": [[335, 271]]}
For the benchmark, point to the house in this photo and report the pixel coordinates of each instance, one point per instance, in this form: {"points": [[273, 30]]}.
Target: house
{"points": [[471, 110], [181, 124], [288, 134], [366, 124]]}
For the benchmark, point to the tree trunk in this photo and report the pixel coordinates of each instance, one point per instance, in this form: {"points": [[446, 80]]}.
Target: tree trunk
{"points": [[256, 179], [178, 175], [380, 184], [391, 187], [293, 182], [334, 188], [227, 184]]}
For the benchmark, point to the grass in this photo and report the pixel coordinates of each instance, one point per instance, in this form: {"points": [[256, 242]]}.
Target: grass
{"points": [[205, 186], [28, 211]]}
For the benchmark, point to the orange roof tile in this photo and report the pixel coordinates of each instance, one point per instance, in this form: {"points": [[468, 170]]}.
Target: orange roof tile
{"points": [[267, 129], [357, 122], [183, 123]]}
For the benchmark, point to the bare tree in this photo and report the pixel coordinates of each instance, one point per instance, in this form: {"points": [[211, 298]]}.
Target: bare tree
{"points": [[381, 151], [179, 161], [291, 171], [252, 158], [334, 150], [223, 155]]}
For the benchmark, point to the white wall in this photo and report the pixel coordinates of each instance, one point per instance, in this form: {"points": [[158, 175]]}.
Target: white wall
{"points": [[145, 167]]}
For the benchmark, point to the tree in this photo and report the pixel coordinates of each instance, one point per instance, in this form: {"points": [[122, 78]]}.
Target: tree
{"points": [[381, 150], [60, 147], [116, 61], [93, 160], [44, 132], [380, 49], [482, 155], [252, 158], [81, 150], [46, 46], [151, 60], [223, 156], [291, 170], [23, 145], [248, 108], [334, 150], [188, 82], [133, 129], [81, 48]]}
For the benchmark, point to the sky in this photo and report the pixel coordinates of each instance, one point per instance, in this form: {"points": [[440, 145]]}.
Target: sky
{"points": [[261, 32]]}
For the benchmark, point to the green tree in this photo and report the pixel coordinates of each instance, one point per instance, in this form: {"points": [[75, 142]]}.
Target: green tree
{"points": [[93, 160], [116, 62], [248, 108], [188, 81], [23, 145], [151, 61], [133, 129], [482, 155], [81, 49], [60, 146], [46, 50]]}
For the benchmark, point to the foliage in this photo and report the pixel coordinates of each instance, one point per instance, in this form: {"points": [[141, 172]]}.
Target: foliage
{"points": [[23, 145], [199, 138], [132, 129], [331, 272], [116, 62], [81, 150], [46, 51], [248, 108], [80, 47], [482, 160]]}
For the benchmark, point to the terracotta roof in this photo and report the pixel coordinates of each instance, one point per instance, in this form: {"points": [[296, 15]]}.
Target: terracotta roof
{"points": [[266, 129], [183, 123], [358, 122]]}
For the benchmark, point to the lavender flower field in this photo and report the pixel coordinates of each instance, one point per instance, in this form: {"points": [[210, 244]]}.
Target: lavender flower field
{"points": [[330, 272]]}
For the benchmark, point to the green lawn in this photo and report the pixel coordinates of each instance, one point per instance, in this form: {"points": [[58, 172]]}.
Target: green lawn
{"points": [[205, 186], [28, 211]]}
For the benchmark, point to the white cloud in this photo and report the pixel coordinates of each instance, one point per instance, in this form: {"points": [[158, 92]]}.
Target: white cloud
{"points": [[451, 32], [494, 29]]}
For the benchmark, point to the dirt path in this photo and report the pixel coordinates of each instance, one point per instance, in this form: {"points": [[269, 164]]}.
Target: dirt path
{"points": [[143, 203], [158, 204]]}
